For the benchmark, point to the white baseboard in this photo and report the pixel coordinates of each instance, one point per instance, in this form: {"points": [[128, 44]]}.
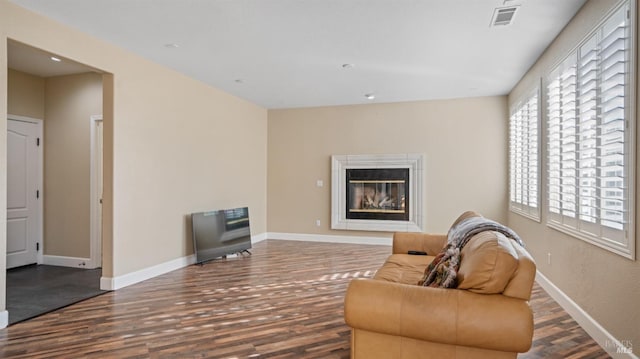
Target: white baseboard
{"points": [[258, 238], [330, 238], [114, 283], [4, 319], [616, 348], [106, 283], [109, 283], [74, 262]]}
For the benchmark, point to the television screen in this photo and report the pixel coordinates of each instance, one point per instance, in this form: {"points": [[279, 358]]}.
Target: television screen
{"points": [[221, 232]]}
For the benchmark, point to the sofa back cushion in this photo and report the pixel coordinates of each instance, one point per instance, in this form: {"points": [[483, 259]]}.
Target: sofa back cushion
{"points": [[463, 216], [487, 263], [522, 282]]}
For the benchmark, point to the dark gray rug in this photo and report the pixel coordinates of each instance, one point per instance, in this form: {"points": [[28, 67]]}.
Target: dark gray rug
{"points": [[37, 289]]}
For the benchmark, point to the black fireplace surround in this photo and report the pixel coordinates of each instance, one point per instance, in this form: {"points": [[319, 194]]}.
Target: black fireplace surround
{"points": [[378, 193]]}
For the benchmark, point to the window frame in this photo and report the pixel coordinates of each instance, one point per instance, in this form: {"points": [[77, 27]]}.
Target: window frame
{"points": [[625, 248]]}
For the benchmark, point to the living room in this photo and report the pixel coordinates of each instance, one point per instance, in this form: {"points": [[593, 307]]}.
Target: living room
{"points": [[161, 126]]}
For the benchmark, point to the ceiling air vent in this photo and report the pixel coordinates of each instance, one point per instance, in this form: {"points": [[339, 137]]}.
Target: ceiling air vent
{"points": [[503, 16]]}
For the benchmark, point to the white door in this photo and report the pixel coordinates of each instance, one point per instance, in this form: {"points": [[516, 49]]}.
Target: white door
{"points": [[23, 209]]}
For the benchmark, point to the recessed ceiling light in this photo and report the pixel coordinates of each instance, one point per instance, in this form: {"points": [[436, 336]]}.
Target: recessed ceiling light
{"points": [[56, 59], [347, 66], [171, 46], [370, 96]]}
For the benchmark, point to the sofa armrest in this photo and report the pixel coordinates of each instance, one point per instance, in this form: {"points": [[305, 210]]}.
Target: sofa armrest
{"points": [[404, 242], [449, 316]]}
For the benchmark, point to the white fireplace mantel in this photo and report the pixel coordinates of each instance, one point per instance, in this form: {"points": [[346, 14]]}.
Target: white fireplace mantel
{"points": [[339, 166]]}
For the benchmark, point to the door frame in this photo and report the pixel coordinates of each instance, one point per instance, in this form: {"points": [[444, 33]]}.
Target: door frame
{"points": [[39, 181], [95, 242]]}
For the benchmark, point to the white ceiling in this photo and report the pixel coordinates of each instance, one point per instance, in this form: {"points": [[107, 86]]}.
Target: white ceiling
{"points": [[37, 62], [290, 53]]}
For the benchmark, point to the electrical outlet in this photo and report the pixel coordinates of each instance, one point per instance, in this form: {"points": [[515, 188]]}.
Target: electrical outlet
{"points": [[549, 258], [318, 222]]}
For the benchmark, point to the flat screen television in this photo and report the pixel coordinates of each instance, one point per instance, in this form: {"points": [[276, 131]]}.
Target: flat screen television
{"points": [[221, 232]]}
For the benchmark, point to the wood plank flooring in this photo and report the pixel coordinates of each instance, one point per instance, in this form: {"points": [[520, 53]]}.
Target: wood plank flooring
{"points": [[556, 334], [284, 301]]}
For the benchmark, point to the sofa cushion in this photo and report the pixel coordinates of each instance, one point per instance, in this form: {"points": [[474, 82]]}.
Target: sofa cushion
{"points": [[488, 262], [403, 268]]}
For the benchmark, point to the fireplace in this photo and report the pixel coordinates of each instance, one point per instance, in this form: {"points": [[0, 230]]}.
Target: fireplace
{"points": [[377, 192]]}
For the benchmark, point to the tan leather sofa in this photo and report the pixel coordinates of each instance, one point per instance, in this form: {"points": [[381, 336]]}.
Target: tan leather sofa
{"points": [[486, 316]]}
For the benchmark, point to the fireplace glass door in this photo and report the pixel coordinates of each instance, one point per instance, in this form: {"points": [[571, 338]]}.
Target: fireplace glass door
{"points": [[381, 194]]}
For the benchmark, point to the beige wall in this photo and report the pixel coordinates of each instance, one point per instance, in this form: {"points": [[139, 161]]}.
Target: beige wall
{"points": [[108, 94], [25, 95], [463, 142], [605, 285], [3, 166], [173, 146], [180, 147], [70, 102]]}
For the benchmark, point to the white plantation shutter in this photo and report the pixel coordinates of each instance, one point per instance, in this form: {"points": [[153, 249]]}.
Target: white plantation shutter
{"points": [[588, 132], [523, 158], [561, 142], [588, 138], [613, 53]]}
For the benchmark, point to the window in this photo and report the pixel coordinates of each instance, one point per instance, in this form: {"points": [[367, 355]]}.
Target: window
{"points": [[589, 139], [523, 158]]}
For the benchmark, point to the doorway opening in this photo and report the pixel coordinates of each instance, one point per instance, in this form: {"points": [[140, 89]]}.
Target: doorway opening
{"points": [[68, 233]]}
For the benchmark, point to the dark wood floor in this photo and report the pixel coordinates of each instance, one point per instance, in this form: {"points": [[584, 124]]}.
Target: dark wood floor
{"points": [[556, 334], [285, 301]]}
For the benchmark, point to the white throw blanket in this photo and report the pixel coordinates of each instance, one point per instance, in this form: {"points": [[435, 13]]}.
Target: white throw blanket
{"points": [[466, 229]]}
